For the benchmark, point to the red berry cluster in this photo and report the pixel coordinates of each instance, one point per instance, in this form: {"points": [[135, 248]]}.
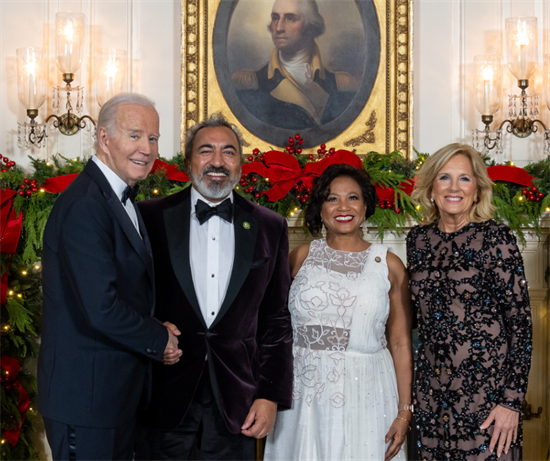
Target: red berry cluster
{"points": [[28, 187], [302, 192], [257, 154], [532, 194], [248, 182], [9, 164], [322, 152], [292, 147], [388, 205]]}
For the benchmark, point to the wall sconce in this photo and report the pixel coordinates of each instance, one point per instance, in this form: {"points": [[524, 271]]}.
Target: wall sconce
{"points": [[111, 74], [31, 90], [521, 45], [32, 80]]}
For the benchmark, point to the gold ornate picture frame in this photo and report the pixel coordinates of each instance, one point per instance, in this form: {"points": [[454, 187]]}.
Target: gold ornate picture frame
{"points": [[382, 121]]}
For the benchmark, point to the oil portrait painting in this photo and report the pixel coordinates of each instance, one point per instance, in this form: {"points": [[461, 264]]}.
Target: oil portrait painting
{"points": [[287, 66]]}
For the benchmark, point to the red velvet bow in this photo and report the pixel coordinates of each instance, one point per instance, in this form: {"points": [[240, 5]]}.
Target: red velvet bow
{"points": [[59, 183], [10, 229], [12, 366], [388, 194], [284, 172], [510, 174], [172, 171]]}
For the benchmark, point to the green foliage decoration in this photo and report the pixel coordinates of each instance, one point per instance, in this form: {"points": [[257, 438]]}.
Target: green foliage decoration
{"points": [[21, 314]]}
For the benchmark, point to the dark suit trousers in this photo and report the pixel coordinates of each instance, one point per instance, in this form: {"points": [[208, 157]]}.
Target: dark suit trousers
{"points": [[201, 435], [89, 443]]}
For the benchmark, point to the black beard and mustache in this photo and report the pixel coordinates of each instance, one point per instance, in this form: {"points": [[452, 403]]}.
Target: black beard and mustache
{"points": [[215, 191]]}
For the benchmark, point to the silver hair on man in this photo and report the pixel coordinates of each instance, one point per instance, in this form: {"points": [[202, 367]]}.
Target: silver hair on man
{"points": [[314, 22], [107, 114]]}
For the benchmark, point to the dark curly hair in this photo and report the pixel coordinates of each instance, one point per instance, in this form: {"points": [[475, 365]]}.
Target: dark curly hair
{"points": [[321, 190]]}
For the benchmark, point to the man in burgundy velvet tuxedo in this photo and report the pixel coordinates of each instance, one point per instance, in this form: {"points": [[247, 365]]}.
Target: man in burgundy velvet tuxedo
{"points": [[222, 275]]}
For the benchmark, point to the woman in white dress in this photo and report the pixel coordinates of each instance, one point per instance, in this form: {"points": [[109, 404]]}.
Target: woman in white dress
{"points": [[351, 318]]}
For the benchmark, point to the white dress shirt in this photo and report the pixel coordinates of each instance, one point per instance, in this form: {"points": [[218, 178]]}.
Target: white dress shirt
{"points": [[118, 186], [212, 252]]}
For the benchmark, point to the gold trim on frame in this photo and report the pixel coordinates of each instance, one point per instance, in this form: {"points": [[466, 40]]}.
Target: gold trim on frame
{"points": [[385, 123]]}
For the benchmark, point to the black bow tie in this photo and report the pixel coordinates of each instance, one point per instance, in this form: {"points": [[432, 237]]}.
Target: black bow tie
{"points": [[129, 193], [204, 211]]}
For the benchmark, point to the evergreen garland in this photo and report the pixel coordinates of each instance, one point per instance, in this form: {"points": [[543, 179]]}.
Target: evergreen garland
{"points": [[21, 314]]}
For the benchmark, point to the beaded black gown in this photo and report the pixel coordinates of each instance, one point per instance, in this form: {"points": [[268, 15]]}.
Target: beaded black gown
{"points": [[475, 336]]}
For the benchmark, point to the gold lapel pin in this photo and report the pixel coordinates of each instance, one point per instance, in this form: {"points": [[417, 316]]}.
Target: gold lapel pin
{"points": [[246, 225]]}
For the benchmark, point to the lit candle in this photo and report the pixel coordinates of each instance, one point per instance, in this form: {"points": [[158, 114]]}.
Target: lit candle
{"points": [[31, 70], [69, 32], [487, 73], [523, 41], [111, 73]]}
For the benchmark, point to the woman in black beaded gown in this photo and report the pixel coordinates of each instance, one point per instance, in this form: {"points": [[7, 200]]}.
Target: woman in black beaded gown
{"points": [[469, 291]]}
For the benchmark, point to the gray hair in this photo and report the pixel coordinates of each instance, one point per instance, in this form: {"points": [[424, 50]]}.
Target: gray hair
{"points": [[314, 22], [215, 120], [107, 114]]}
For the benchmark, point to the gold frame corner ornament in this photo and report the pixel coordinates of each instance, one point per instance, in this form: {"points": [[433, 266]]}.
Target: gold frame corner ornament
{"points": [[385, 124]]}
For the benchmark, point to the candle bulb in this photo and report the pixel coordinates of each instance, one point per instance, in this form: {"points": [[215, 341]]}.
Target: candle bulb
{"points": [[31, 92], [522, 60], [111, 73], [487, 80], [31, 88], [487, 84], [31, 70], [69, 37], [522, 42], [69, 32]]}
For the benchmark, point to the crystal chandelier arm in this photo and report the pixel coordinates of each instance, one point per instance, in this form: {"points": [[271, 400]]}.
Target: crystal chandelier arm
{"points": [[488, 142], [36, 134]]}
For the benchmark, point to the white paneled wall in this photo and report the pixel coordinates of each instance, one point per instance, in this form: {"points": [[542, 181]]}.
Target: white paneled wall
{"points": [[447, 36], [149, 30]]}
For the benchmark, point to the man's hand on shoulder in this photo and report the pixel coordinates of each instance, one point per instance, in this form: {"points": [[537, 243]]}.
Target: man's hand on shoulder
{"points": [[260, 419], [171, 354]]}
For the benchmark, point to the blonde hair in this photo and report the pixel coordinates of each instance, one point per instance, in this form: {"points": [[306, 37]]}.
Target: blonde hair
{"points": [[482, 209]]}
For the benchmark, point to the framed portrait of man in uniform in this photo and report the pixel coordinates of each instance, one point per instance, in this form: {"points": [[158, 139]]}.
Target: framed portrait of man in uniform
{"points": [[335, 71]]}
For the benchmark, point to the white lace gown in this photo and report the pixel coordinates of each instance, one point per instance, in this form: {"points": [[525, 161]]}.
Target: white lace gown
{"points": [[345, 391]]}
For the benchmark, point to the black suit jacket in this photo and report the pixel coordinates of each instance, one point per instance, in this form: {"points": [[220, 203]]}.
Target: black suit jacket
{"points": [[249, 344], [98, 333]]}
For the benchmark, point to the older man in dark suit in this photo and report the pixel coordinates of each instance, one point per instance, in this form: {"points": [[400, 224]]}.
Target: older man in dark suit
{"points": [[222, 276], [99, 337]]}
